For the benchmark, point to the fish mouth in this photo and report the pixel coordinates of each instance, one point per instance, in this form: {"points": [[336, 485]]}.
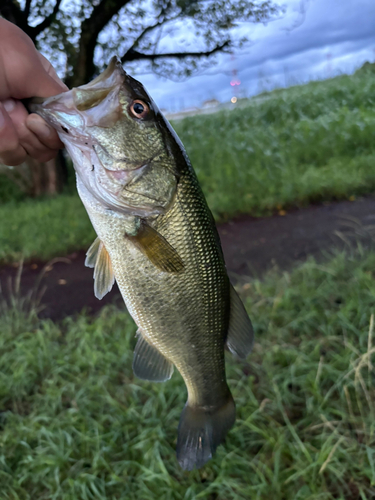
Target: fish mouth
{"points": [[111, 76], [84, 106], [91, 96]]}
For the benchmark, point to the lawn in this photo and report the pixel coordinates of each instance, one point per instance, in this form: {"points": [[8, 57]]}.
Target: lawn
{"points": [[305, 144], [76, 424], [43, 228]]}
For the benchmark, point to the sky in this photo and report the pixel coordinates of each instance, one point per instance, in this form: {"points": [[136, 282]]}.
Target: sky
{"points": [[330, 37]]}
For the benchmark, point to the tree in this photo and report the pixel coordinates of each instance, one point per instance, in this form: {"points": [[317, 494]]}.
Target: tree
{"points": [[81, 36], [174, 38]]}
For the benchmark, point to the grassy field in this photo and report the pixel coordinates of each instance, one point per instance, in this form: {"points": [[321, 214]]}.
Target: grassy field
{"points": [[300, 145], [75, 424], [43, 228], [292, 147]]}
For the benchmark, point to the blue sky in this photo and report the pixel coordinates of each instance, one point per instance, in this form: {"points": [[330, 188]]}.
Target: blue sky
{"points": [[330, 37]]}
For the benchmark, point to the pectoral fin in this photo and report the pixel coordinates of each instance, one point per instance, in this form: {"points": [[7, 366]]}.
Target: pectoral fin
{"points": [[157, 249], [240, 337], [104, 278], [149, 363]]}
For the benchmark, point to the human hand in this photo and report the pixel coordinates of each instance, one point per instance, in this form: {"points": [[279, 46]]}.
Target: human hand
{"points": [[24, 73]]}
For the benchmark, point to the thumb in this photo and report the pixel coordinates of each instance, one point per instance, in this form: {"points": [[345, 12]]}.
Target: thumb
{"points": [[50, 70], [44, 81], [23, 71]]}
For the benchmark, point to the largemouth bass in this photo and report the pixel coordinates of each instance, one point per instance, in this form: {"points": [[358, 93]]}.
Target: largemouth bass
{"points": [[158, 240]]}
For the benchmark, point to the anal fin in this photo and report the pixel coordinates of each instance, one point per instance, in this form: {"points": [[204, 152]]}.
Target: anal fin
{"points": [[149, 363], [240, 339], [157, 249], [104, 278], [92, 253]]}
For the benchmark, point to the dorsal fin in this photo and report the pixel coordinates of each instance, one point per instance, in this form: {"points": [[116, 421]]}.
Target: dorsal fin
{"points": [[104, 278]]}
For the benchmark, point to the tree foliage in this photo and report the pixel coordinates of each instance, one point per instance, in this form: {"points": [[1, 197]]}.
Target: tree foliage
{"points": [[169, 37]]}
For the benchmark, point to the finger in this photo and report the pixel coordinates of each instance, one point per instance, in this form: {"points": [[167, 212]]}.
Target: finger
{"points": [[51, 71], [25, 74], [11, 151], [27, 139], [46, 134], [33, 80], [36, 149], [41, 155]]}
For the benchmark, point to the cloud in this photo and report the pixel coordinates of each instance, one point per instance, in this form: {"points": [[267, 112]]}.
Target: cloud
{"points": [[331, 36]]}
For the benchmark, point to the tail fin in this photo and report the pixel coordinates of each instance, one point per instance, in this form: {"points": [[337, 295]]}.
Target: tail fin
{"points": [[200, 432]]}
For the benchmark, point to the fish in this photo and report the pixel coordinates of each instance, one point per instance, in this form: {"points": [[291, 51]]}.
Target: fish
{"points": [[157, 238]]}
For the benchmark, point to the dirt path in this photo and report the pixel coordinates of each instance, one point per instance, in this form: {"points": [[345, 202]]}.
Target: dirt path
{"points": [[251, 246]]}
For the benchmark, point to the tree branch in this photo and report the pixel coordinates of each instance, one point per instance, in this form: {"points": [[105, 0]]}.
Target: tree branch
{"points": [[160, 22], [27, 9], [144, 32], [101, 15], [134, 55], [47, 21], [90, 29]]}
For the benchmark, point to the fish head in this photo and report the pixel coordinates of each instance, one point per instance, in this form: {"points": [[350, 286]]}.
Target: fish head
{"points": [[123, 149]]}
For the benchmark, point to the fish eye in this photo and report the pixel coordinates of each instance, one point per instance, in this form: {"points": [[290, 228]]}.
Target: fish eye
{"points": [[139, 108]]}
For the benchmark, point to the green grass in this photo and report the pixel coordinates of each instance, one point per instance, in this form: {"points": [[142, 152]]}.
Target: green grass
{"points": [[76, 424], [309, 143], [9, 191], [300, 145], [43, 228]]}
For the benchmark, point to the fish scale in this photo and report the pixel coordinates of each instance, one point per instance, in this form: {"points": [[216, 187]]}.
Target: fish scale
{"points": [[157, 238]]}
